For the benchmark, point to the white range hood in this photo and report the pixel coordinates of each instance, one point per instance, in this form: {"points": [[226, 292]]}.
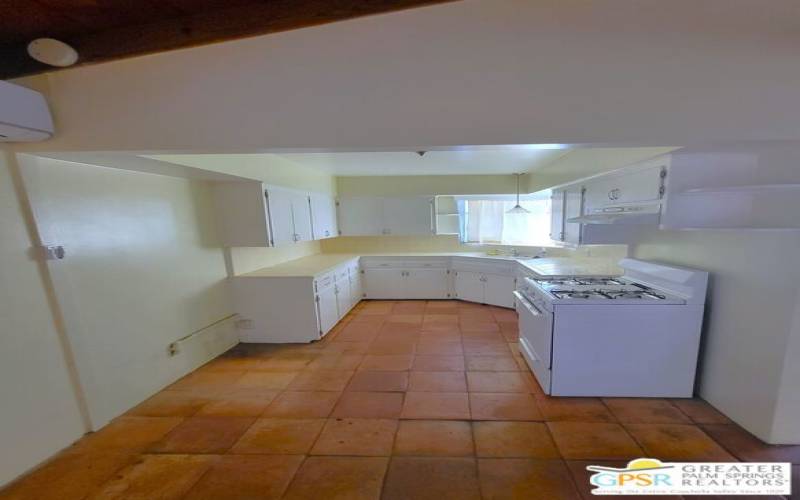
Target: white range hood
{"points": [[622, 214]]}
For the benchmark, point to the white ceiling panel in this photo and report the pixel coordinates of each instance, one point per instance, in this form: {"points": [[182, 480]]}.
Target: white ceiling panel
{"points": [[459, 162]]}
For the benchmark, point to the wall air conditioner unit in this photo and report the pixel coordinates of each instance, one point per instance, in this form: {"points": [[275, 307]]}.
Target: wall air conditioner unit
{"points": [[24, 115]]}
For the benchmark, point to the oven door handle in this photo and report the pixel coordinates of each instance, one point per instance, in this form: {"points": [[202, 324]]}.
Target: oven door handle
{"points": [[527, 304]]}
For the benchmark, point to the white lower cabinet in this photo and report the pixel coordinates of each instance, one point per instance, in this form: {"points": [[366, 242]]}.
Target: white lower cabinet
{"points": [[356, 285], [411, 278], [327, 308], [468, 286], [386, 283], [425, 283], [283, 309], [499, 290], [492, 284]]}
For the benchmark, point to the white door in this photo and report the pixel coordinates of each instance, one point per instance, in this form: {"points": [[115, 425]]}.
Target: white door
{"points": [[360, 216], [499, 290], [327, 309], [557, 215], [426, 283], [573, 207], [469, 286], [279, 205], [408, 216], [384, 283], [323, 216]]}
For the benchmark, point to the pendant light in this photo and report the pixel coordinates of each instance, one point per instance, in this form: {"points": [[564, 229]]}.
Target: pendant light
{"points": [[518, 209]]}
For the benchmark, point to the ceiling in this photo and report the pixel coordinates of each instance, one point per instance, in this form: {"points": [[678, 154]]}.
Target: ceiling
{"points": [[485, 160], [462, 162], [102, 30]]}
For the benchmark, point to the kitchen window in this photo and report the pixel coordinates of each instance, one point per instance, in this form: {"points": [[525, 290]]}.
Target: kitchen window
{"points": [[485, 220]]}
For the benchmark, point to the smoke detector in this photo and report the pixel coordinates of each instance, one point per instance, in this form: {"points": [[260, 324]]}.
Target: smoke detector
{"points": [[52, 52]]}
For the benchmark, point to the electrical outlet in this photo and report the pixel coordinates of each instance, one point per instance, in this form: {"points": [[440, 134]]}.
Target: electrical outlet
{"points": [[245, 324], [172, 349]]}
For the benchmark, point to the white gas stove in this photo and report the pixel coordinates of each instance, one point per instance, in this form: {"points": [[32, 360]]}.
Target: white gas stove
{"points": [[634, 335], [604, 290]]}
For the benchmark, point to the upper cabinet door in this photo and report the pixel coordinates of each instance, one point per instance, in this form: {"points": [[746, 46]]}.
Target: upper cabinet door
{"points": [[634, 186], [361, 216], [557, 215], [573, 207], [241, 213], [301, 216], [279, 204], [408, 216], [323, 216]]}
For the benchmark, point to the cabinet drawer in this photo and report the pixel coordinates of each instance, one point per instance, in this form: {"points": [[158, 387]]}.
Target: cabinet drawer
{"points": [[404, 263], [342, 274], [480, 265], [381, 263], [427, 263], [324, 281]]}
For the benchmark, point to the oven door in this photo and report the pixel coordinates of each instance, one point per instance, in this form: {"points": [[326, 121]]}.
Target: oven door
{"points": [[536, 338]]}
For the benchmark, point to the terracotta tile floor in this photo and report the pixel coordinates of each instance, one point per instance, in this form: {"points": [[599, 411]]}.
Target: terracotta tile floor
{"points": [[406, 400]]}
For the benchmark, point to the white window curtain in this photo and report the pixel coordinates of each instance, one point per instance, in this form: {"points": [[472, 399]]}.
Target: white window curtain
{"points": [[484, 220]]}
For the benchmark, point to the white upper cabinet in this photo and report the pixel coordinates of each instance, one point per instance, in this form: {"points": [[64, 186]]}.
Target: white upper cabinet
{"points": [[250, 214], [557, 215], [408, 216], [323, 216], [573, 207], [360, 216], [241, 213], [301, 217], [639, 186], [371, 216], [289, 215], [279, 208]]}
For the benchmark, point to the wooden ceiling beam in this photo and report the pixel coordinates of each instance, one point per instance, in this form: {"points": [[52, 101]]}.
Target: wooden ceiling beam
{"points": [[260, 18]]}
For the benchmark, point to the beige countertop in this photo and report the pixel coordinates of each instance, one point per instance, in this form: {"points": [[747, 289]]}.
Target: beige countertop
{"points": [[314, 265], [567, 266]]}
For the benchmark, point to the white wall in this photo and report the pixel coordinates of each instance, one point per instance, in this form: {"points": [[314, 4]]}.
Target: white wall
{"points": [[143, 269], [630, 72], [271, 169], [40, 412], [787, 413], [750, 314]]}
